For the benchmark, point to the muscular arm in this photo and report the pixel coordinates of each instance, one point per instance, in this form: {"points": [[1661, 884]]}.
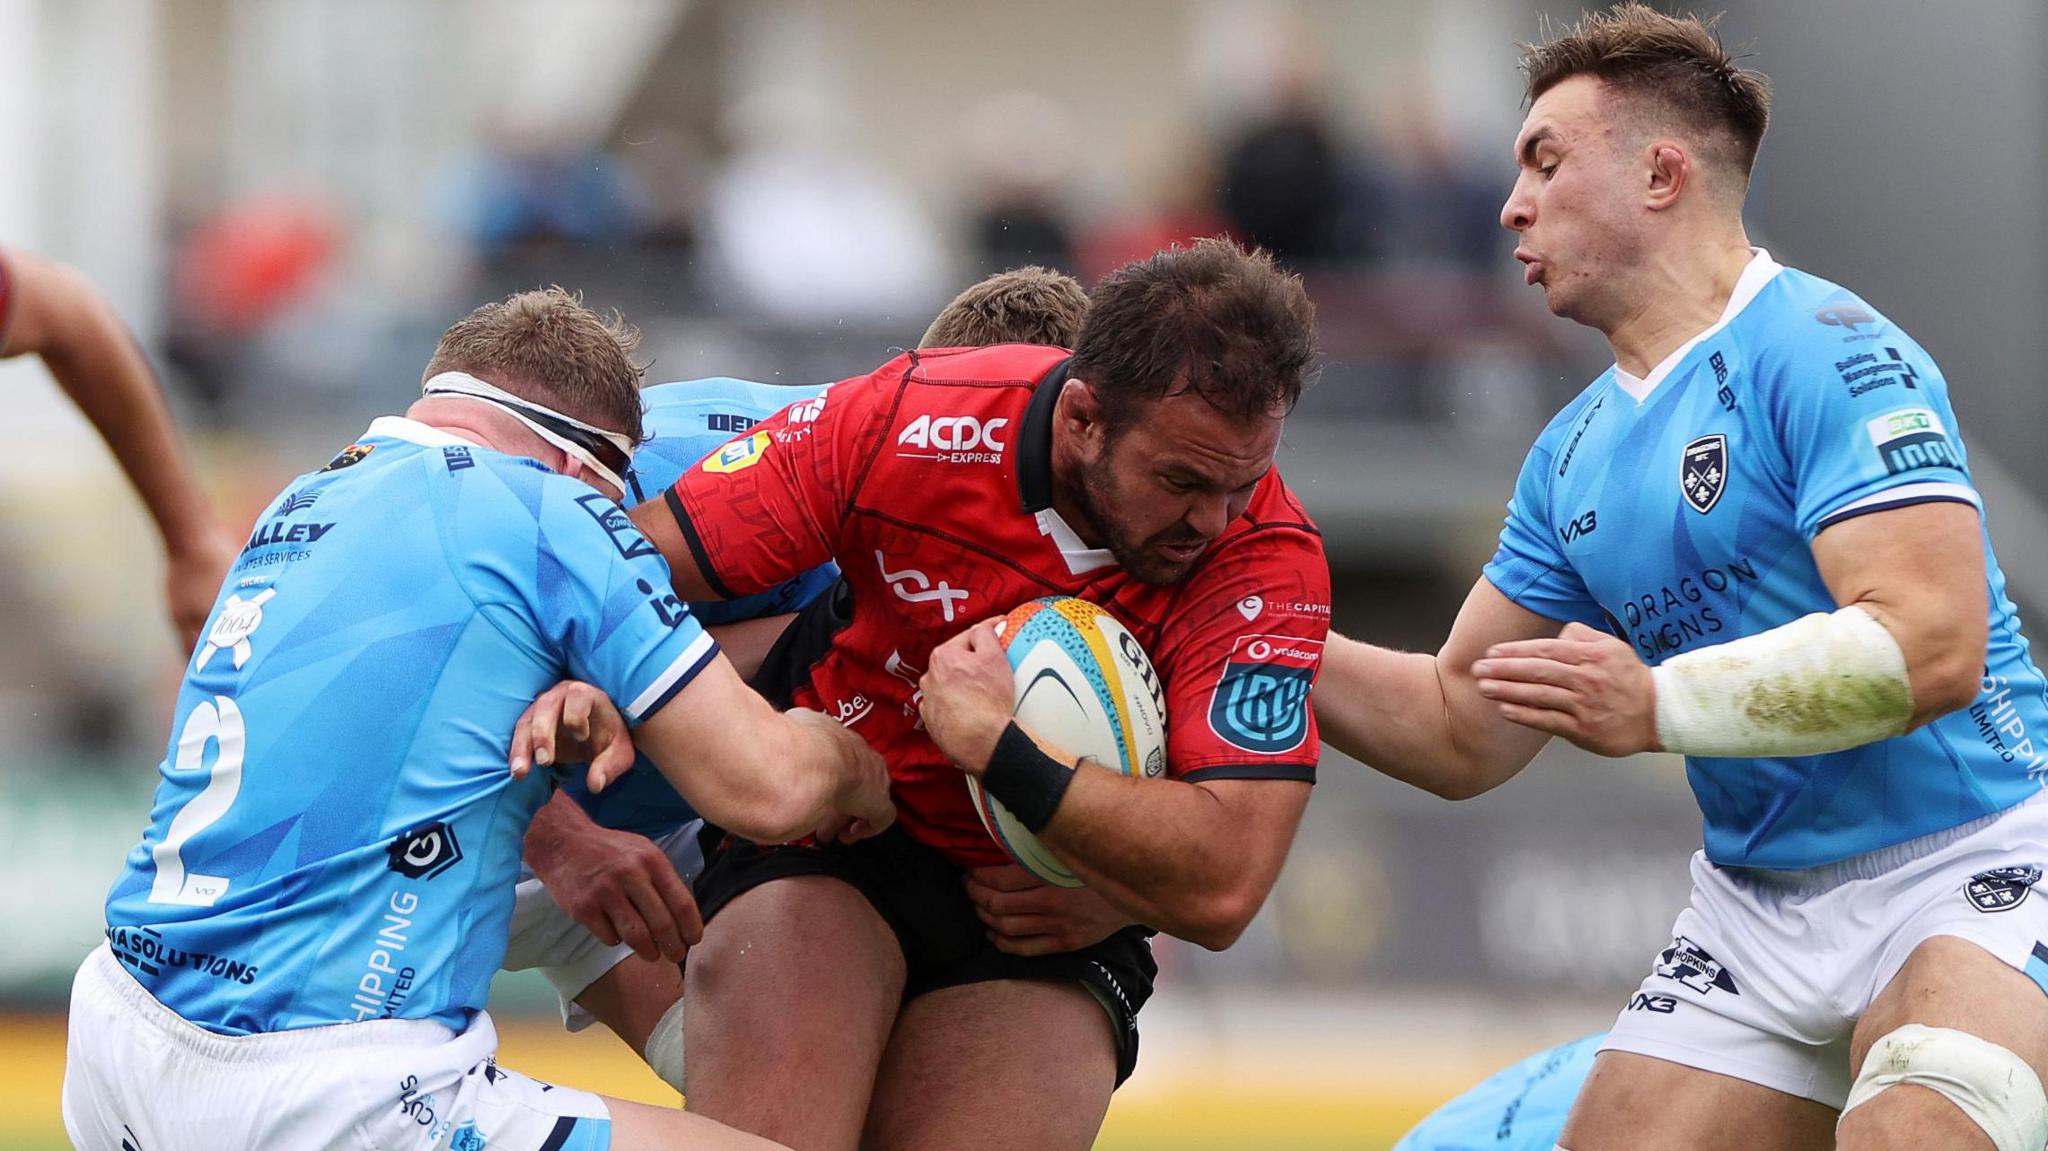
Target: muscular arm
{"points": [[56, 314], [1195, 860], [1919, 571], [766, 775], [1420, 718], [658, 524]]}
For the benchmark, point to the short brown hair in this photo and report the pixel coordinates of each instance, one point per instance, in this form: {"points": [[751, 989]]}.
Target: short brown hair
{"points": [[1678, 61], [1028, 305], [1212, 318], [545, 345]]}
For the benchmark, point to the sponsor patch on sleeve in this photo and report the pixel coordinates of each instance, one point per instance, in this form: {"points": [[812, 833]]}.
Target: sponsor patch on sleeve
{"points": [[738, 455], [1911, 438], [1260, 704]]}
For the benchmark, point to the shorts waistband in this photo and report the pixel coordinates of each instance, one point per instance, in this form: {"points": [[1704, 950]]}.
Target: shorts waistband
{"points": [[1883, 861], [148, 1011]]}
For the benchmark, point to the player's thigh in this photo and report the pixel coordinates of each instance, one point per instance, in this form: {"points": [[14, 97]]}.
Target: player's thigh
{"points": [[1950, 983], [633, 996], [1021, 1063], [1637, 1103], [792, 993], [639, 1127]]}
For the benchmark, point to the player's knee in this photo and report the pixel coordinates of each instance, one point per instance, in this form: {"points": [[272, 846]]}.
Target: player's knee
{"points": [[1994, 1087]]}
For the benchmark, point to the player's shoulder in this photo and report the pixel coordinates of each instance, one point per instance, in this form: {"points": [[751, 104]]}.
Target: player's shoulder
{"points": [[1799, 317], [686, 405]]}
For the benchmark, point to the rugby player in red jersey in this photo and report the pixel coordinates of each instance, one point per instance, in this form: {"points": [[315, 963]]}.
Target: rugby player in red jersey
{"points": [[50, 311], [849, 996]]}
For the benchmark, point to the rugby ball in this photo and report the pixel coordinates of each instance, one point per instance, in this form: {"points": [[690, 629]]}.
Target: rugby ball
{"points": [[1086, 686]]}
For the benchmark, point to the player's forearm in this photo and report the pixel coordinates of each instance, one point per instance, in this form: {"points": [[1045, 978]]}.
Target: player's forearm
{"points": [[559, 821], [1169, 854], [1394, 712], [98, 364]]}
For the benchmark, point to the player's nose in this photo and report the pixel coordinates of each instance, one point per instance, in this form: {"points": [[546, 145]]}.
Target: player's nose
{"points": [[1518, 212]]}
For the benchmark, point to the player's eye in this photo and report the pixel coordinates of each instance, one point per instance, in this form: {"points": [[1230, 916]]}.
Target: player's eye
{"points": [[1547, 170], [1176, 485]]}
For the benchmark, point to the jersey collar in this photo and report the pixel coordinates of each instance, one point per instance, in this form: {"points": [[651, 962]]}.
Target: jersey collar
{"points": [[1034, 441], [1760, 270], [415, 432]]}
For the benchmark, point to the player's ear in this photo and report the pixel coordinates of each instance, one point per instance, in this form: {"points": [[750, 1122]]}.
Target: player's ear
{"points": [[1078, 414], [1668, 171]]}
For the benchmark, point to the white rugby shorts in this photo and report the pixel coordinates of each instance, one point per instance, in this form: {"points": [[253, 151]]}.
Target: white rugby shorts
{"points": [[138, 1077], [1768, 971], [544, 936]]}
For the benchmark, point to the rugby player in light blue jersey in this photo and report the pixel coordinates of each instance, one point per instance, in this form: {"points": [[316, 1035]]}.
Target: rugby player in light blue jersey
{"points": [[299, 949], [1519, 1109], [604, 910], [1754, 541]]}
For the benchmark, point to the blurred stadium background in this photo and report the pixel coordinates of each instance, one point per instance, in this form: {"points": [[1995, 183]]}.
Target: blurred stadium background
{"points": [[290, 198]]}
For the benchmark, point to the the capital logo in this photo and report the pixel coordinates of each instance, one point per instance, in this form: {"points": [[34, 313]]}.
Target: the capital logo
{"points": [[954, 439], [1250, 606], [913, 586]]}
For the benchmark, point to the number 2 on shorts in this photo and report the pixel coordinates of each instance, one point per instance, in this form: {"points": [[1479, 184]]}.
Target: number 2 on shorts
{"points": [[218, 720]]}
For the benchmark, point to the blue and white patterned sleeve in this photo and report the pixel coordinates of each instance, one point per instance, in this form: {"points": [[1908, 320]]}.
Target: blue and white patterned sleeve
{"points": [[589, 591], [1529, 567], [1864, 427]]}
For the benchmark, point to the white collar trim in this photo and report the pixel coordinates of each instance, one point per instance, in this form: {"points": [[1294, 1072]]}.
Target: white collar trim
{"points": [[1081, 559], [415, 432], [1760, 271]]}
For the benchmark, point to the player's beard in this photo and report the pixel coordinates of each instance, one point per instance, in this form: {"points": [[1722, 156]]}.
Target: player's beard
{"points": [[1096, 480]]}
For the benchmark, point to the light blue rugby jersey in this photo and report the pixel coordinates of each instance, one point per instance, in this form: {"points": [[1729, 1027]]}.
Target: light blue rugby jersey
{"points": [[336, 837], [1679, 511], [1520, 1109], [685, 422]]}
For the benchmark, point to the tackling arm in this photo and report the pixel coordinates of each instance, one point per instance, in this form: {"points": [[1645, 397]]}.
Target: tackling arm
{"points": [[1420, 718], [56, 314]]}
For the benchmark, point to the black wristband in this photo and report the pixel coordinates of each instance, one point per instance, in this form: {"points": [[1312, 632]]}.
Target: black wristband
{"points": [[1025, 779]]}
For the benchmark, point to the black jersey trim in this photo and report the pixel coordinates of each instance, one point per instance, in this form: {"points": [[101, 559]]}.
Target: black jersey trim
{"points": [[697, 552]]}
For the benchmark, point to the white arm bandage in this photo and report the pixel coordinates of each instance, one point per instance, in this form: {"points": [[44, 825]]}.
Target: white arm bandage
{"points": [[1823, 682]]}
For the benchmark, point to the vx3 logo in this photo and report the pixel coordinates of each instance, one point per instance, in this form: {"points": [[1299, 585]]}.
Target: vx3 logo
{"points": [[913, 586]]}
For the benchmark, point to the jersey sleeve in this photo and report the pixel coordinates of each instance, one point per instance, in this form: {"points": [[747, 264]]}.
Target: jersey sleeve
{"points": [[1528, 566], [770, 504], [582, 585], [1865, 427], [1239, 670]]}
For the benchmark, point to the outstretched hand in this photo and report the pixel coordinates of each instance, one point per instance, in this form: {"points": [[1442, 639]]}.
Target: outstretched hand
{"points": [[1585, 685]]}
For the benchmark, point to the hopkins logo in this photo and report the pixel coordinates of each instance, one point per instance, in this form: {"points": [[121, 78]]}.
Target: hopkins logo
{"points": [[2001, 888], [953, 439], [1691, 966], [738, 455], [424, 852], [1911, 438], [617, 525], [349, 457], [1260, 703], [238, 620], [1703, 472], [1844, 316], [913, 586]]}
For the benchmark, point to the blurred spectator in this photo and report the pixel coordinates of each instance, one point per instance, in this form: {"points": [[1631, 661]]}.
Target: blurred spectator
{"points": [[1443, 207], [530, 192], [1021, 146], [808, 231], [1180, 208], [1284, 177]]}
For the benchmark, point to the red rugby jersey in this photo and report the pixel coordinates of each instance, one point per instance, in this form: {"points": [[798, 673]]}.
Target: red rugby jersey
{"points": [[929, 481]]}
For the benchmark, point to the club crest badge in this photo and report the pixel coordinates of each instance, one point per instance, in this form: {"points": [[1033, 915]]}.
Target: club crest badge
{"points": [[2001, 888], [1703, 472]]}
